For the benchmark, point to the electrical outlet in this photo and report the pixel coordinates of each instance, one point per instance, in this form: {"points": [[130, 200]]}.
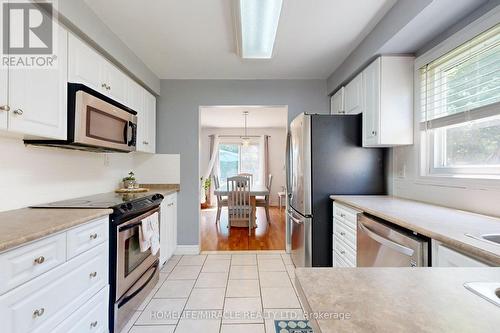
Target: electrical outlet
{"points": [[402, 171]]}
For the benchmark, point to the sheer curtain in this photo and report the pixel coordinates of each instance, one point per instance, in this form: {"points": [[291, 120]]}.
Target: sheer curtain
{"points": [[264, 159], [213, 166]]}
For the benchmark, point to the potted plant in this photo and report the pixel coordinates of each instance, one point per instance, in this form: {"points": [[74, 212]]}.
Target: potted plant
{"points": [[129, 181], [206, 188]]}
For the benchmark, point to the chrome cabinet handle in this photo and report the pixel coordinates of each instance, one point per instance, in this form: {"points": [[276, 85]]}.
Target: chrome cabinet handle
{"points": [[374, 132], [104, 85], [93, 275], [342, 252], [18, 112], [108, 88], [342, 215], [342, 233], [39, 260], [93, 236], [4, 108], [38, 312], [145, 142], [93, 324]]}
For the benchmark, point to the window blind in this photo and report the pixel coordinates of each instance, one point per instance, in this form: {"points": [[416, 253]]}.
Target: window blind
{"points": [[463, 84]]}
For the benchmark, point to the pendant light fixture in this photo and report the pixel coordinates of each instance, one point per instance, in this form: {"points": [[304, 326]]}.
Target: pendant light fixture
{"points": [[245, 140]]}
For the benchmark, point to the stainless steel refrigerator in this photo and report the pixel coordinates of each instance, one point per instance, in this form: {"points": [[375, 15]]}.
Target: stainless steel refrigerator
{"points": [[324, 157]]}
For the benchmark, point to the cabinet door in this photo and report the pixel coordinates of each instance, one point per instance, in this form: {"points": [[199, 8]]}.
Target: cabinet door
{"points": [[116, 82], [371, 104], [84, 64], [142, 123], [151, 107], [337, 102], [164, 233], [4, 105], [37, 97], [172, 209], [353, 95]]}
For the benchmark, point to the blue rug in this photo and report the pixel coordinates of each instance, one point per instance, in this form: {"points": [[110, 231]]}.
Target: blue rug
{"points": [[292, 326]]}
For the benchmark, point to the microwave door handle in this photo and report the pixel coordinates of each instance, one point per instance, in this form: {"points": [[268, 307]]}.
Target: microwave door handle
{"points": [[384, 241], [133, 138]]}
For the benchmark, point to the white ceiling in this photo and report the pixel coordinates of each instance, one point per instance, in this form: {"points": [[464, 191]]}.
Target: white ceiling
{"points": [[195, 39], [232, 116]]}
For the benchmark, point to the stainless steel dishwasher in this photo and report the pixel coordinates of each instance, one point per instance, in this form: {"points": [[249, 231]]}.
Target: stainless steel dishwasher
{"points": [[380, 244]]}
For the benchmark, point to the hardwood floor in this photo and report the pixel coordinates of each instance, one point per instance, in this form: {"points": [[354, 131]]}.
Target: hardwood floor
{"points": [[218, 237]]}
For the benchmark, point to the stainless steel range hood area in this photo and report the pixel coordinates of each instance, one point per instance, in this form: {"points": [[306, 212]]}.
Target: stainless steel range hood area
{"points": [[96, 123]]}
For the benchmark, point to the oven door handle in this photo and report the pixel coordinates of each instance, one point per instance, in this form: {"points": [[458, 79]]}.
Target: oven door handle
{"points": [[129, 226], [127, 298]]}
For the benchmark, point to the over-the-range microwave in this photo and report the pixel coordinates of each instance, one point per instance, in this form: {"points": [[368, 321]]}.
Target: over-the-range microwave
{"points": [[96, 123]]}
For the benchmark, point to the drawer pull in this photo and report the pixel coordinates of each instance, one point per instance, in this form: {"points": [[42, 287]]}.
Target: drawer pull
{"points": [[93, 275], [38, 312], [93, 324], [342, 215], [93, 236], [342, 252], [39, 260], [342, 233]]}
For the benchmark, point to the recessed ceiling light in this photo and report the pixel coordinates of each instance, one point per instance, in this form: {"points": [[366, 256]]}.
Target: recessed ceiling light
{"points": [[257, 24]]}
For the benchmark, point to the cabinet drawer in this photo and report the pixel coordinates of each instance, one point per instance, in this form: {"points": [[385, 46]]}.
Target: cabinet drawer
{"points": [[345, 233], [85, 237], [347, 215], [29, 261], [345, 252], [339, 262], [92, 317], [39, 305]]}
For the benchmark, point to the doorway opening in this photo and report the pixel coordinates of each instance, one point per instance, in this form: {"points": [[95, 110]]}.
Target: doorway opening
{"points": [[245, 141]]}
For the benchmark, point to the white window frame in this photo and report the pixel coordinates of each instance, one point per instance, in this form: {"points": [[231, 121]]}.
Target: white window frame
{"points": [[445, 176], [232, 141]]}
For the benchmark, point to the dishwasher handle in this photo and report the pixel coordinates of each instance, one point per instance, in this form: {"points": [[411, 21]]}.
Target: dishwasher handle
{"points": [[384, 241]]}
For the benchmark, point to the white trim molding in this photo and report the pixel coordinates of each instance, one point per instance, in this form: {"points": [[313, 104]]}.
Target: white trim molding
{"points": [[182, 250]]}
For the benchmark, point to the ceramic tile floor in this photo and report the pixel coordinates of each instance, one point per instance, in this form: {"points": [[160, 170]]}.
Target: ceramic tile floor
{"points": [[220, 292]]}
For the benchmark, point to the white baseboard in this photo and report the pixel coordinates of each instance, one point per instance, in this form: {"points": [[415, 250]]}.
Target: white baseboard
{"points": [[187, 250]]}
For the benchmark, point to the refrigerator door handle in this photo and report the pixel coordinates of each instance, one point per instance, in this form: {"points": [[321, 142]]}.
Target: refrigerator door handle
{"points": [[384, 241], [288, 168], [293, 218]]}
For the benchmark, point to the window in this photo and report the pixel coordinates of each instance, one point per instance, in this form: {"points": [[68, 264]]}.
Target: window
{"points": [[235, 158], [460, 109]]}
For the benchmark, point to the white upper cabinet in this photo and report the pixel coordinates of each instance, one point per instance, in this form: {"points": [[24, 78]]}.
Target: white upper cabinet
{"points": [[115, 81], [84, 64], [88, 67], [388, 102], [144, 103], [354, 95], [38, 97], [337, 105]]}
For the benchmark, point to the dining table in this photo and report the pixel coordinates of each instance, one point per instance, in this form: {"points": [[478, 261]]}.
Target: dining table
{"points": [[256, 190]]}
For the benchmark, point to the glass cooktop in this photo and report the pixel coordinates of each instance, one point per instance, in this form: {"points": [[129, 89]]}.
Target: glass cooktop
{"points": [[103, 200]]}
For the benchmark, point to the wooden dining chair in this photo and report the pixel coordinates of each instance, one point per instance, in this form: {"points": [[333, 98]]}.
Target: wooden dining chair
{"points": [[248, 175], [239, 206], [221, 201], [265, 201]]}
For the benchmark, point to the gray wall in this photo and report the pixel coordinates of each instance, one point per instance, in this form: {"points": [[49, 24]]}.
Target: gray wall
{"points": [[178, 125], [84, 22]]}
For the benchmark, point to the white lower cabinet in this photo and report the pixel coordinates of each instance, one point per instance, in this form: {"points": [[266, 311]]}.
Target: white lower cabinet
{"points": [[444, 256], [168, 227], [91, 317], [345, 221], [50, 298]]}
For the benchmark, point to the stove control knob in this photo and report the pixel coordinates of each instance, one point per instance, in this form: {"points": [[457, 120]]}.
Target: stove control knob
{"points": [[123, 207], [129, 206]]}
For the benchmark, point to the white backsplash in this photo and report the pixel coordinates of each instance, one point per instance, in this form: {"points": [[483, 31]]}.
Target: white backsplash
{"points": [[33, 175]]}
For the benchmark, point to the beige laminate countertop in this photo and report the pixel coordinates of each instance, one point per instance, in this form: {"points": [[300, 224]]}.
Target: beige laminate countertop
{"points": [[397, 299], [24, 225], [21, 226], [440, 223]]}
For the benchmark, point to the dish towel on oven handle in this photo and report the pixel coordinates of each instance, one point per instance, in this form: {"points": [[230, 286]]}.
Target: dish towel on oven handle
{"points": [[149, 234]]}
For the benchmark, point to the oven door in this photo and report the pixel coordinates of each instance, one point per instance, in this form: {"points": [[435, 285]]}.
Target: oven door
{"points": [[101, 124], [131, 263]]}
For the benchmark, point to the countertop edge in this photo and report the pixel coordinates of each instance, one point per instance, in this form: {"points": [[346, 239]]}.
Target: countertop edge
{"points": [[452, 242], [10, 245]]}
